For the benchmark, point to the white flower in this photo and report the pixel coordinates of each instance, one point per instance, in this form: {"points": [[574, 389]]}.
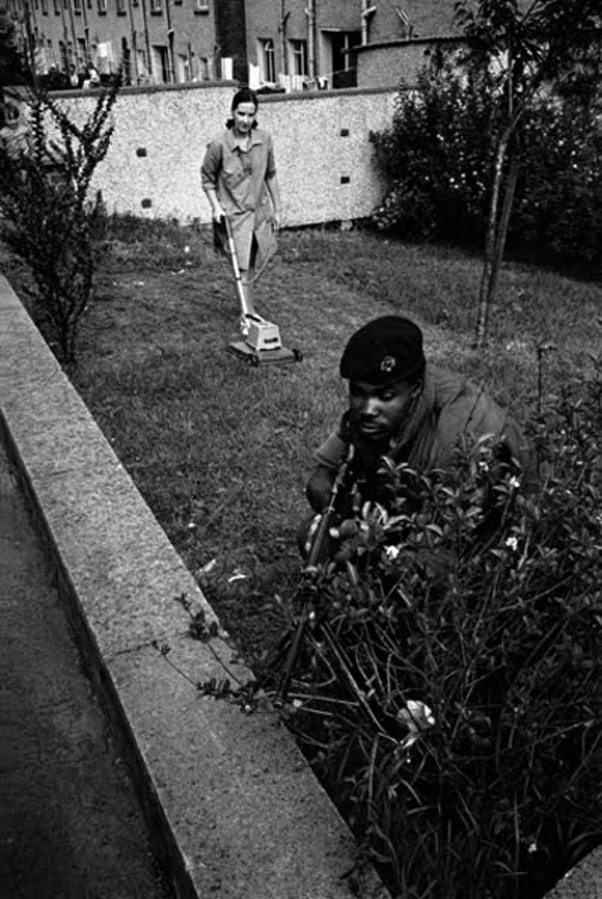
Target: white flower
{"points": [[391, 553], [416, 716], [512, 543], [514, 482]]}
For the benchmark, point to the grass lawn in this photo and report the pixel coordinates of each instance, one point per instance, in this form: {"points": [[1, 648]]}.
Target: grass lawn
{"points": [[221, 450]]}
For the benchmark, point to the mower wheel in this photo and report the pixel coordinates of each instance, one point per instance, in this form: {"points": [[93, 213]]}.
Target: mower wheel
{"points": [[254, 360], [298, 355]]}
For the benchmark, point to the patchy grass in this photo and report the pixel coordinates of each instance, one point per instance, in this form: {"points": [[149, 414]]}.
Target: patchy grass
{"points": [[220, 450]]}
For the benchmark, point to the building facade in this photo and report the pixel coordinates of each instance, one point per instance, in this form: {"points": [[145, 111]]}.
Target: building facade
{"points": [[272, 45], [157, 41]]}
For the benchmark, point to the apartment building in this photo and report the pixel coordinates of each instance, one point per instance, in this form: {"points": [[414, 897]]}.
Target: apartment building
{"points": [[309, 42], [158, 41], [269, 44]]}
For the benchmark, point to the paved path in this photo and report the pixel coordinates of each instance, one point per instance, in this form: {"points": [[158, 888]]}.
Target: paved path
{"points": [[70, 827]]}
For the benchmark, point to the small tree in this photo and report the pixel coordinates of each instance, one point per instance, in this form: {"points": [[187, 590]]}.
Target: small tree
{"points": [[531, 43], [46, 216]]}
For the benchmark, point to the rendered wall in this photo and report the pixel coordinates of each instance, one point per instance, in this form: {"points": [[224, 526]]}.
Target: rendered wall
{"points": [[388, 63], [323, 153]]}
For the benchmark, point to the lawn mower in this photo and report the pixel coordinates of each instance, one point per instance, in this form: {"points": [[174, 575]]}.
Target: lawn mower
{"points": [[262, 342]]}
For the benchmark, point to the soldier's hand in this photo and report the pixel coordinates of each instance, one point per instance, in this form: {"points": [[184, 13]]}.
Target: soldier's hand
{"points": [[352, 536]]}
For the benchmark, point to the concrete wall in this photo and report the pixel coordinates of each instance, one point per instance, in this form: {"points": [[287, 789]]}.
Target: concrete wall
{"points": [[321, 139]]}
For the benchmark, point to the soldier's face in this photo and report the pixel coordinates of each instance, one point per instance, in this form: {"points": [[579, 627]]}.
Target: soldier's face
{"points": [[377, 410]]}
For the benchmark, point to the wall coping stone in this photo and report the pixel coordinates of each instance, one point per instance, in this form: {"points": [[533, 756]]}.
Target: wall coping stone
{"points": [[232, 805]]}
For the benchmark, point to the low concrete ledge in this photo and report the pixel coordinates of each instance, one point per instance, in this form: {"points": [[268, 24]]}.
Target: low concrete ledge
{"points": [[233, 807]]}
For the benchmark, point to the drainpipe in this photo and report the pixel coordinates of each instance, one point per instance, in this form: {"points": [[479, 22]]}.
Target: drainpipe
{"points": [[283, 20], [31, 50], [134, 53], [86, 35], [65, 59], [146, 38], [367, 12], [310, 12], [73, 34], [170, 43]]}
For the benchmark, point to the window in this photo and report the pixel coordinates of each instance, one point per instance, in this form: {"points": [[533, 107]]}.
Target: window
{"points": [[342, 44], [298, 57], [77, 7], [160, 63], [201, 6], [156, 7], [57, 7], [267, 60], [102, 7], [142, 65], [121, 7], [45, 7]]}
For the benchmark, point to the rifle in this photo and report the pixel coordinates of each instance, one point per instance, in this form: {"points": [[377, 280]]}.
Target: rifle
{"points": [[314, 566]]}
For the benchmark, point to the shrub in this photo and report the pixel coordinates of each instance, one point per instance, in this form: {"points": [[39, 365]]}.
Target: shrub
{"points": [[559, 197], [437, 163], [47, 218], [436, 157], [449, 687]]}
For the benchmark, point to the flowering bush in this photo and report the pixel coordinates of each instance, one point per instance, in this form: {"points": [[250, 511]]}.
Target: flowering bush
{"points": [[437, 155], [448, 691], [559, 200], [437, 163]]}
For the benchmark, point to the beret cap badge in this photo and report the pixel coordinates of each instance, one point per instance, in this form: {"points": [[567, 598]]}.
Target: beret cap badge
{"points": [[388, 364]]}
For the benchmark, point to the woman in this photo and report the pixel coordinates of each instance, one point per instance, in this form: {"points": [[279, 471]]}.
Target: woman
{"points": [[238, 176]]}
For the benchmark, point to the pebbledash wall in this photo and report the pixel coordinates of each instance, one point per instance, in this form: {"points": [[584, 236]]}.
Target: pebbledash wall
{"points": [[323, 152]]}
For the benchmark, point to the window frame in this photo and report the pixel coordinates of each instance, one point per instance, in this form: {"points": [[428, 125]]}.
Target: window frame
{"points": [[297, 48], [267, 59]]}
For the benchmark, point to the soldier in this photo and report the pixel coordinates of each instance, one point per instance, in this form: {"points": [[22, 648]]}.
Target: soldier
{"points": [[408, 410]]}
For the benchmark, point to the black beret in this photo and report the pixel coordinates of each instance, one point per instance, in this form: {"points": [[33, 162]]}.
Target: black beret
{"points": [[386, 349]]}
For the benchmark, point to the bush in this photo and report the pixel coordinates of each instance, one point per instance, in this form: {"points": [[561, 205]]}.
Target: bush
{"points": [[436, 158], [559, 196], [449, 691], [437, 162], [46, 216]]}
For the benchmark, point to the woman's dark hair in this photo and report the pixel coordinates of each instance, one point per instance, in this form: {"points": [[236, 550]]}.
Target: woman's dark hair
{"points": [[244, 95]]}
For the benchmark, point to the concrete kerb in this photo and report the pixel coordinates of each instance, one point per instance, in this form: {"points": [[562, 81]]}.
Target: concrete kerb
{"points": [[232, 806]]}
